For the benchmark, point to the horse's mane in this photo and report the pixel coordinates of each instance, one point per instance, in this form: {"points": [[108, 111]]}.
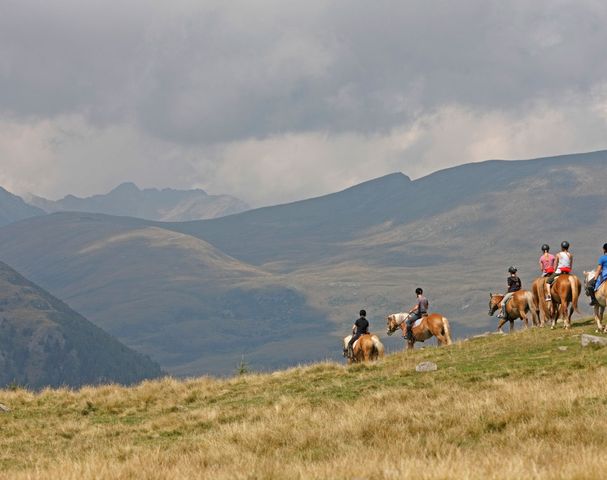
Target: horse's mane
{"points": [[400, 317]]}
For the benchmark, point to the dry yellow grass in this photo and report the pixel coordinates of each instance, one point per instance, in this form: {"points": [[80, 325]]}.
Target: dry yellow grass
{"points": [[501, 407]]}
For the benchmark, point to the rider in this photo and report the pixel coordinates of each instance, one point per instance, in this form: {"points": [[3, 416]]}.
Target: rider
{"points": [[360, 327], [600, 275], [564, 264], [514, 285], [547, 265], [418, 311]]}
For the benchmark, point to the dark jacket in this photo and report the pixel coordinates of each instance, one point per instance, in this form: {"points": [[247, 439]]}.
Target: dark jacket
{"points": [[362, 326]]}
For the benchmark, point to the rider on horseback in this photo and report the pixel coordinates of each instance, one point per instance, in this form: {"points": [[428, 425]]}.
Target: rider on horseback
{"points": [[600, 275], [360, 327], [514, 285], [547, 266], [418, 311], [564, 264]]}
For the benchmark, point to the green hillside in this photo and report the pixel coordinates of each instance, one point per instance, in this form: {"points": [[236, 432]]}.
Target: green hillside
{"points": [[43, 342], [526, 405]]}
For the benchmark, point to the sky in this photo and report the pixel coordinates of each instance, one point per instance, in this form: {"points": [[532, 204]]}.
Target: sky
{"points": [[274, 101]]}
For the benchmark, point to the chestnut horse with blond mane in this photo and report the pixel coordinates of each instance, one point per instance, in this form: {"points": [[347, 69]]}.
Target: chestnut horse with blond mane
{"points": [[519, 306], [432, 325], [565, 292], [367, 348], [601, 300]]}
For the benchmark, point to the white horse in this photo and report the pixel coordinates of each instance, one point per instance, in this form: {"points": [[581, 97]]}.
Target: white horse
{"points": [[601, 300]]}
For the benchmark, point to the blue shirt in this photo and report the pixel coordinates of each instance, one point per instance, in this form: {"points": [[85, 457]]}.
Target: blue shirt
{"points": [[603, 264]]}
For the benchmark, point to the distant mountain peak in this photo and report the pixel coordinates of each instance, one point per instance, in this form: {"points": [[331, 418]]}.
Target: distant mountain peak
{"points": [[126, 187]]}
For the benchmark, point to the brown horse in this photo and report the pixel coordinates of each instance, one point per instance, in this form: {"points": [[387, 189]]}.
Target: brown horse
{"points": [[519, 306], [367, 348], [432, 325], [601, 301], [542, 310], [565, 292]]}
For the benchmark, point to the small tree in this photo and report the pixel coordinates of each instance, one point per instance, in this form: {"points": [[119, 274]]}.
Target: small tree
{"points": [[243, 367]]}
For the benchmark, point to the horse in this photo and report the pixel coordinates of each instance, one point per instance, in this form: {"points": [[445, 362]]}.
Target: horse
{"points": [[368, 347], [565, 292], [542, 308], [519, 306], [601, 300], [432, 325]]}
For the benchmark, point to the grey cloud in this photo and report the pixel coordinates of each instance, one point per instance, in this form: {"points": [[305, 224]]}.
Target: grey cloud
{"points": [[202, 73]]}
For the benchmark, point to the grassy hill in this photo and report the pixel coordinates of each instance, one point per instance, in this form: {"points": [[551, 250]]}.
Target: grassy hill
{"points": [[282, 284], [43, 342], [509, 406]]}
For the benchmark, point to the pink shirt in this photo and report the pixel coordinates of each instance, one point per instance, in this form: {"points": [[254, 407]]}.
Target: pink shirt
{"points": [[547, 262]]}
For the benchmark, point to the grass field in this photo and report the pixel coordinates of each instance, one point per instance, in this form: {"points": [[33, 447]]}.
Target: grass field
{"points": [[510, 406]]}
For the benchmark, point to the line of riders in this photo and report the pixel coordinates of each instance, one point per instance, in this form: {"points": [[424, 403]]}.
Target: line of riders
{"points": [[557, 287]]}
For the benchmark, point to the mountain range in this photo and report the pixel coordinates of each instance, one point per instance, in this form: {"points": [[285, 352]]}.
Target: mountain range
{"points": [[43, 342], [280, 285], [150, 203]]}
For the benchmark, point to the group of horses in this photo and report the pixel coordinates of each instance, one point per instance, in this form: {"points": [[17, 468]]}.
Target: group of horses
{"points": [[368, 347], [564, 295]]}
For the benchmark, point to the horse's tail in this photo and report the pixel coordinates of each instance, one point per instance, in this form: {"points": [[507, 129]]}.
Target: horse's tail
{"points": [[447, 330], [532, 306], [379, 347], [575, 291]]}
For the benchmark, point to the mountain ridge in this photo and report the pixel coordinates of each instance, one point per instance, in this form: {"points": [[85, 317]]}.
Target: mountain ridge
{"points": [[166, 204]]}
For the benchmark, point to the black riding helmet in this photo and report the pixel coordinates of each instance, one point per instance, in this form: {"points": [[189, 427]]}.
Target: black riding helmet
{"points": [[418, 291], [512, 269], [545, 247], [565, 244], [363, 313]]}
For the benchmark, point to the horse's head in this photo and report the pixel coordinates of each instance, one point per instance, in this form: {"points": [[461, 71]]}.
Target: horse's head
{"points": [[588, 277], [494, 302], [391, 324]]}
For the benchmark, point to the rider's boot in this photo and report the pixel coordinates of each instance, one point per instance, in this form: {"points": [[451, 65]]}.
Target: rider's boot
{"points": [[350, 352], [409, 334], [593, 301]]}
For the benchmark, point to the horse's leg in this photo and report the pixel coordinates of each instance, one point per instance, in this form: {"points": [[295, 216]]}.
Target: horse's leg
{"points": [[553, 315], [501, 324], [565, 315], [511, 326], [601, 313], [410, 344]]}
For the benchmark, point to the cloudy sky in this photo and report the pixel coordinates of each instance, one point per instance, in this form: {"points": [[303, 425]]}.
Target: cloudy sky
{"points": [[275, 100]]}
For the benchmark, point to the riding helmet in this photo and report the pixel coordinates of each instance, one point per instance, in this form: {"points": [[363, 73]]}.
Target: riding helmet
{"points": [[363, 313], [418, 291], [545, 247], [565, 245], [512, 269]]}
